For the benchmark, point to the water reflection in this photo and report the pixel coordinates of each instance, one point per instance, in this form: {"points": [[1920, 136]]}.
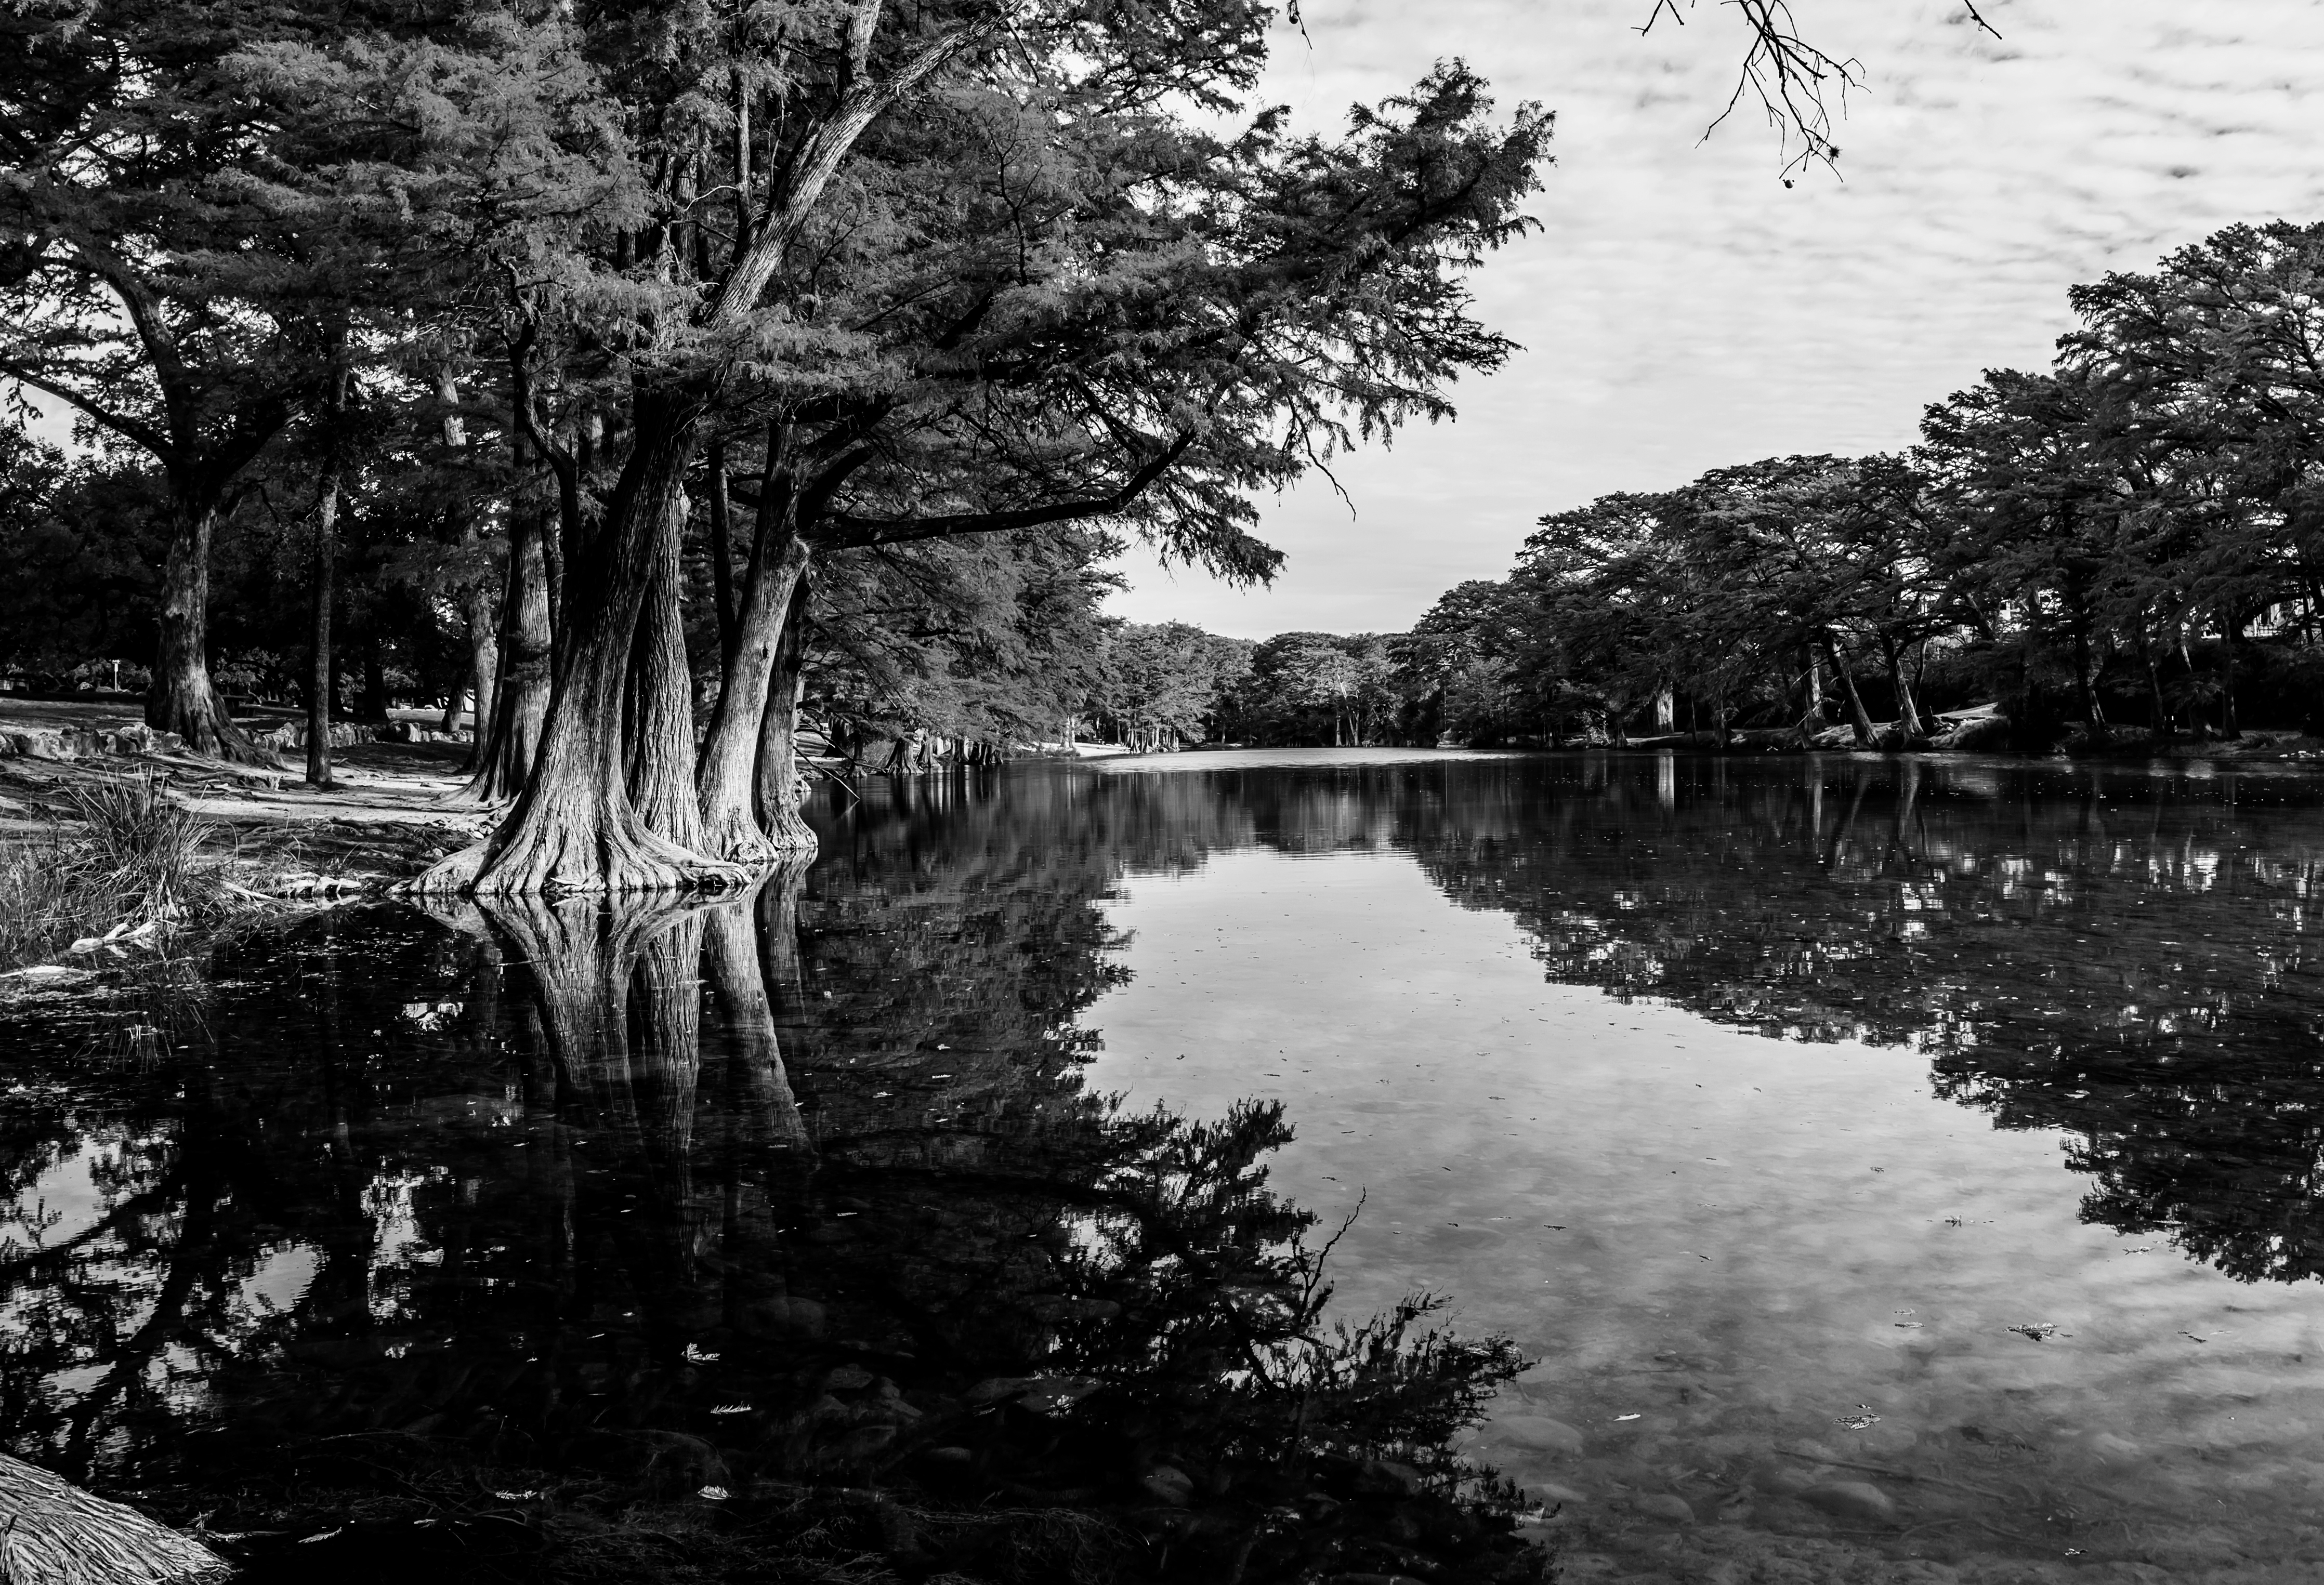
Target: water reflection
{"points": [[478, 1233], [596, 1210]]}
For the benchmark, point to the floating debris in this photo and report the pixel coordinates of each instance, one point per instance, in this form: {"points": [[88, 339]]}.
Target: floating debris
{"points": [[2041, 1332]]}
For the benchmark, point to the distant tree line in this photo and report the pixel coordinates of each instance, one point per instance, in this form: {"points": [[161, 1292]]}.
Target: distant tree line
{"points": [[2127, 543]]}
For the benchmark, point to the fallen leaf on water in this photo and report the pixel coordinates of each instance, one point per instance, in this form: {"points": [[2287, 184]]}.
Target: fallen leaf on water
{"points": [[2039, 1330], [713, 1493]]}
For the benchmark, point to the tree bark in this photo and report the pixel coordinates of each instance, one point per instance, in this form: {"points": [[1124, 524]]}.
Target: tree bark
{"points": [[2085, 689], [183, 699], [483, 671], [658, 753], [721, 552], [574, 827], [777, 793], [2231, 627], [1857, 715], [726, 780], [318, 675], [1908, 710], [521, 687]]}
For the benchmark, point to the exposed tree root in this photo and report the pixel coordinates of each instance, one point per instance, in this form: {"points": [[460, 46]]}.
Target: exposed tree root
{"points": [[451, 876]]}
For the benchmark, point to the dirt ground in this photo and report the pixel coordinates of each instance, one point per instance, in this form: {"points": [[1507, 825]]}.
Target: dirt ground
{"points": [[394, 811]]}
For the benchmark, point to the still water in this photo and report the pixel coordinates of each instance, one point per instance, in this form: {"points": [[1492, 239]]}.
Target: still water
{"points": [[1898, 1169]]}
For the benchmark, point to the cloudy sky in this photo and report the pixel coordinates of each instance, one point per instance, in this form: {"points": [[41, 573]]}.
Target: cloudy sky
{"points": [[1681, 310]]}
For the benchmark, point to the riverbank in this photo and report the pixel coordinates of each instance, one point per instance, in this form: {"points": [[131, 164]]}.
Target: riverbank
{"points": [[105, 852]]}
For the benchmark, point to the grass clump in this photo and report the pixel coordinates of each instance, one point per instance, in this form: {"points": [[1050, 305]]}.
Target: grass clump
{"points": [[118, 858]]}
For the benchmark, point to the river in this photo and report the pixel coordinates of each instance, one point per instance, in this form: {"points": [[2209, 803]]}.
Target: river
{"points": [[1890, 1169]]}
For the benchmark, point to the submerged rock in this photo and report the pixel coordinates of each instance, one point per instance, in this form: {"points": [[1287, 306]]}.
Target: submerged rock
{"points": [[1540, 1433], [1857, 1500], [1664, 1505], [1167, 1485]]}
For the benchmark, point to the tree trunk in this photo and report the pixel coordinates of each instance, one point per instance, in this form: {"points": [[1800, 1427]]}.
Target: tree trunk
{"points": [[318, 676], [1857, 715], [1908, 711], [574, 828], [521, 687], [2086, 691], [727, 781], [2230, 630], [183, 698], [483, 671], [777, 792], [721, 552], [659, 754]]}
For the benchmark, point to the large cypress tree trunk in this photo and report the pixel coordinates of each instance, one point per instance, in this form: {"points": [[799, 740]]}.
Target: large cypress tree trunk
{"points": [[183, 698], [726, 780], [777, 794], [574, 827], [658, 717]]}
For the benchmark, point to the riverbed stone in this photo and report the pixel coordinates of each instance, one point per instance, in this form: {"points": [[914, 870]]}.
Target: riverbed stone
{"points": [[1165, 1484], [1539, 1434], [1857, 1501]]}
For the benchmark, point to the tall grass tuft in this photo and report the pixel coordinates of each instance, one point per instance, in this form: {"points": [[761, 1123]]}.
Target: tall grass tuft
{"points": [[122, 856], [139, 851]]}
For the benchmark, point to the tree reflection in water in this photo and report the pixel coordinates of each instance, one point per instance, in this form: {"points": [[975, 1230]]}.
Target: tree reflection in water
{"points": [[779, 1233], [2119, 954]]}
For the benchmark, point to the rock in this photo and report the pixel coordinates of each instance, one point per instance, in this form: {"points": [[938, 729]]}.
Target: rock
{"points": [[993, 1389], [1053, 1394], [1859, 1501], [43, 743], [1538, 1433], [866, 1442], [2109, 1449], [1386, 1477], [792, 1317], [1663, 1505], [1778, 1479], [1167, 1485]]}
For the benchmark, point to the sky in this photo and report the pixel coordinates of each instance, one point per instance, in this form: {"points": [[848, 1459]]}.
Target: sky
{"points": [[1681, 310]]}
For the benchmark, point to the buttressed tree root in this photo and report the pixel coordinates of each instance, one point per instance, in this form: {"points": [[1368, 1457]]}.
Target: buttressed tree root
{"points": [[52, 1532]]}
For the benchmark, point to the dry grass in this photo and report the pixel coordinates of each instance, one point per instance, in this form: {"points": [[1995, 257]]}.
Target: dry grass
{"points": [[120, 858]]}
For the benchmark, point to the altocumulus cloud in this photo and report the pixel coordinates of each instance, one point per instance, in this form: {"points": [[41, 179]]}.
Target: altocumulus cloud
{"points": [[1682, 309]]}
